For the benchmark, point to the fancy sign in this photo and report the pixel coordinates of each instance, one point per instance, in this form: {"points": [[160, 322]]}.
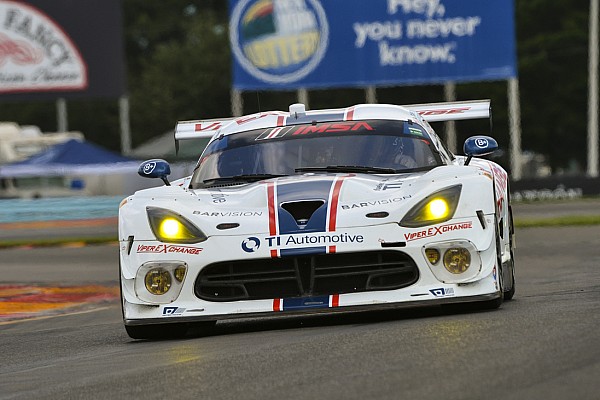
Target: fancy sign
{"points": [[71, 48]]}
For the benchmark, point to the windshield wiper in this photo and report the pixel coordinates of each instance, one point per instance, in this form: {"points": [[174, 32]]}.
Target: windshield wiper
{"points": [[349, 168], [244, 178]]}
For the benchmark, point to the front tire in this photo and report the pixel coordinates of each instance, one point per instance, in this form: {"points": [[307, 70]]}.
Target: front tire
{"points": [[508, 295], [496, 303]]}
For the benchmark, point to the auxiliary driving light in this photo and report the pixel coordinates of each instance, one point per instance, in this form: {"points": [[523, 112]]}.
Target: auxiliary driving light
{"points": [[158, 281], [179, 273], [457, 260], [433, 255]]}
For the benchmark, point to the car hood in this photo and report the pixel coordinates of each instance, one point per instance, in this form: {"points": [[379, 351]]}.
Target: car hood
{"points": [[311, 202]]}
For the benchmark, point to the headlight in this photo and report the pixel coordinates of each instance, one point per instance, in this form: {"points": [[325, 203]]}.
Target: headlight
{"points": [[171, 227], [436, 208]]}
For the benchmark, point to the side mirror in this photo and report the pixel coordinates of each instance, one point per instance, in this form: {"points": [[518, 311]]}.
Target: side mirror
{"points": [[477, 146], [156, 168]]}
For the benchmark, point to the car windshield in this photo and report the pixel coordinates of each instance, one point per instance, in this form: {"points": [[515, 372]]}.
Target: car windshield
{"points": [[374, 146]]}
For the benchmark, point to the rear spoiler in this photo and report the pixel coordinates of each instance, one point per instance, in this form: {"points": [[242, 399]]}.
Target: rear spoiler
{"points": [[431, 112], [200, 128], [453, 111]]}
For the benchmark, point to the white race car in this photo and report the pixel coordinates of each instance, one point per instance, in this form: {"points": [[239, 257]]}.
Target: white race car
{"points": [[317, 211]]}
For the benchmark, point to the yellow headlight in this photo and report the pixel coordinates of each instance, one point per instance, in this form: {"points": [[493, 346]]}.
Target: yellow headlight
{"points": [[158, 281], [171, 228], [168, 226], [457, 260], [433, 255], [179, 273], [438, 208]]}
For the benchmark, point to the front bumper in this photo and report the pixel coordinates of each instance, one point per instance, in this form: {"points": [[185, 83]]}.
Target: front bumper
{"points": [[431, 287]]}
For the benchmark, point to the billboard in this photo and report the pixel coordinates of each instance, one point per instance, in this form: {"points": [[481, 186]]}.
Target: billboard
{"points": [[289, 44], [61, 48]]}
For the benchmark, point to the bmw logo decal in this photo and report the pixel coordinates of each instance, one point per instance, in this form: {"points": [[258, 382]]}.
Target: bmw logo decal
{"points": [[251, 244]]}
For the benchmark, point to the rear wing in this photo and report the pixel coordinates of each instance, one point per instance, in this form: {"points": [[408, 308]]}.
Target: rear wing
{"points": [[198, 129], [431, 112], [453, 111]]}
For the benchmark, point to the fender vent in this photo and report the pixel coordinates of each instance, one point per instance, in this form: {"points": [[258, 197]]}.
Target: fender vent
{"points": [[302, 210]]}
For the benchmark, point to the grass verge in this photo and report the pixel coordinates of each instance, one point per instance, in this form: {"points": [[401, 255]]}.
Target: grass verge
{"points": [[569, 220]]}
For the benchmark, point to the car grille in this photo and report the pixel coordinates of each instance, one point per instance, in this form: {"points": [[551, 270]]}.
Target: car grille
{"points": [[303, 276]]}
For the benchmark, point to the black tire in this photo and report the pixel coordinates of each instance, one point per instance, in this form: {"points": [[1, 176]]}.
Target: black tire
{"points": [[159, 331], [496, 303], [508, 295]]}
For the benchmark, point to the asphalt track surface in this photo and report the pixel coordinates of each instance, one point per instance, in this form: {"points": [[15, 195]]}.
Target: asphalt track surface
{"points": [[545, 344]]}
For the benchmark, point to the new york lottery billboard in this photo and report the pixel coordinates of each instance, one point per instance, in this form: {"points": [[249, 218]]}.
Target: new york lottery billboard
{"points": [[288, 44]]}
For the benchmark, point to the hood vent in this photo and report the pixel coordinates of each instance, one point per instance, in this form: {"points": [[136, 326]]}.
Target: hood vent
{"points": [[302, 210]]}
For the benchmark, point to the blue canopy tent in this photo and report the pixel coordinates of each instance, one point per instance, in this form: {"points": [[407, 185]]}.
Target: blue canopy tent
{"points": [[70, 158]]}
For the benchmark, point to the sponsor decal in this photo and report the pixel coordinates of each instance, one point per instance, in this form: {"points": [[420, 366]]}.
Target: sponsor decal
{"points": [[321, 239], [388, 186], [207, 126], [35, 52], [172, 311], [278, 41], [229, 213], [251, 244], [168, 248], [437, 230], [273, 133], [482, 143], [306, 303], [218, 197], [501, 183], [373, 203], [444, 112], [415, 131], [333, 128], [149, 167], [442, 292]]}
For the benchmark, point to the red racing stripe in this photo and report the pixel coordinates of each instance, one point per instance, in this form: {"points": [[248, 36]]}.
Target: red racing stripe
{"points": [[276, 304], [271, 206], [350, 114], [333, 207], [335, 300]]}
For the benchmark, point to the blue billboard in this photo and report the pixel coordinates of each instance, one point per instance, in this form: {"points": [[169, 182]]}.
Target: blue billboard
{"points": [[290, 44]]}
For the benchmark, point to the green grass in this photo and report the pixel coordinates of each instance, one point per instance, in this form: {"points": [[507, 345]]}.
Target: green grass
{"points": [[570, 220]]}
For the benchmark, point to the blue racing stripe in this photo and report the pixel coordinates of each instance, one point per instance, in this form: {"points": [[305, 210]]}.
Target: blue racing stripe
{"points": [[298, 191], [305, 302]]}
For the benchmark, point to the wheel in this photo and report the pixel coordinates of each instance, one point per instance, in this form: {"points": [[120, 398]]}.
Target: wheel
{"points": [[508, 295], [161, 331], [496, 303]]}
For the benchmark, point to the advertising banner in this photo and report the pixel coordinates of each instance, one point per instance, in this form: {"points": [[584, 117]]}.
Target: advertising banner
{"points": [[64, 47], [289, 44]]}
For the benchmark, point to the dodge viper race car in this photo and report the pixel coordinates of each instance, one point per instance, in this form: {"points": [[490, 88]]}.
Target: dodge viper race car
{"points": [[317, 211]]}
